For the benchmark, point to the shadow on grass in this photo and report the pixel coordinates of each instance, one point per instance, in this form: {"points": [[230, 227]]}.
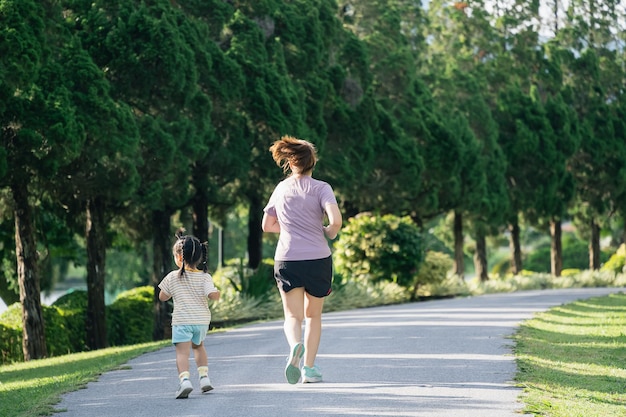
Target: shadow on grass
{"points": [[585, 344]]}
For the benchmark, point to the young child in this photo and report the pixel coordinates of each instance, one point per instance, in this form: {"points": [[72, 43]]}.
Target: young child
{"points": [[190, 287]]}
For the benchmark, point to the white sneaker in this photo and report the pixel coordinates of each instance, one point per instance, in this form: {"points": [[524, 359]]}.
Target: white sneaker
{"points": [[184, 389], [205, 384]]}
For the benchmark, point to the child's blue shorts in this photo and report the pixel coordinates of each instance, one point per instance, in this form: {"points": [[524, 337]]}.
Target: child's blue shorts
{"points": [[196, 333]]}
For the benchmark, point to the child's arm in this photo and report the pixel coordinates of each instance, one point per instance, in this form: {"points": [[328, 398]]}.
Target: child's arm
{"points": [[163, 296], [212, 292]]}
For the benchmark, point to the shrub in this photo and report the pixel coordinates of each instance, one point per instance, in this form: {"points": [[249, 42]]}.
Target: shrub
{"points": [[130, 318], [56, 333], [11, 335], [378, 248], [357, 294], [73, 307], [616, 261], [433, 270], [259, 283], [569, 271]]}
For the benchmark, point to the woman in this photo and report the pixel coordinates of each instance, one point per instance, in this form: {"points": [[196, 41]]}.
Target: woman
{"points": [[302, 262]]}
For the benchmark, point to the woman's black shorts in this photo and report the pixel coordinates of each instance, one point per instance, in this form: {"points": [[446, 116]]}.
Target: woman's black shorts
{"points": [[314, 275]]}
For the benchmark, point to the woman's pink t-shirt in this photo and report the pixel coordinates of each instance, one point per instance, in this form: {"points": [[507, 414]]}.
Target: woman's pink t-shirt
{"points": [[299, 205]]}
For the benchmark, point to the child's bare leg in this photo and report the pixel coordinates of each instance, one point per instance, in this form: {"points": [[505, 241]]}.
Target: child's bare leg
{"points": [[182, 356]]}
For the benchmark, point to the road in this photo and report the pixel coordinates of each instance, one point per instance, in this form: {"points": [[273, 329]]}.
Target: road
{"points": [[429, 359]]}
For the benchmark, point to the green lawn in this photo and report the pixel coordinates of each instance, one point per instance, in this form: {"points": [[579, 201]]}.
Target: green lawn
{"points": [[32, 388], [572, 359]]}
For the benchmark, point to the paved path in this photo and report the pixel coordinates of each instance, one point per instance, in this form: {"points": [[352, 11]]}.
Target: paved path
{"points": [[429, 359]]}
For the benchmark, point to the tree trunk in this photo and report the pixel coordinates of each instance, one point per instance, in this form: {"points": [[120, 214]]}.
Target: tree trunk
{"points": [[33, 333], [459, 259], [255, 233], [594, 246], [556, 248], [95, 231], [516, 251], [480, 257], [162, 266], [200, 205]]}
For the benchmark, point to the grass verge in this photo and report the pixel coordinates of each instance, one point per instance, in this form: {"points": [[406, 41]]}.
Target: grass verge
{"points": [[572, 359], [32, 388]]}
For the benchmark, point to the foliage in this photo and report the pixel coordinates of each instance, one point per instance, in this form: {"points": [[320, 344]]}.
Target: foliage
{"points": [[358, 293], [575, 255], [379, 248], [73, 307], [616, 261], [451, 286], [10, 341], [433, 270], [130, 317], [246, 294], [255, 283], [540, 281], [58, 337], [236, 307]]}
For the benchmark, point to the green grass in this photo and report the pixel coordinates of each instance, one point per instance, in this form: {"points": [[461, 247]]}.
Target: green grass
{"points": [[33, 388], [572, 359]]}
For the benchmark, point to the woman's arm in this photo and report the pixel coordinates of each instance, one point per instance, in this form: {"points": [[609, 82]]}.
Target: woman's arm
{"points": [[334, 221], [270, 224]]}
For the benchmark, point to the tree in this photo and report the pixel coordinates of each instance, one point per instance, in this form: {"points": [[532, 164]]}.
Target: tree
{"points": [[271, 104], [147, 54], [460, 52], [102, 178], [39, 135], [566, 136], [593, 34]]}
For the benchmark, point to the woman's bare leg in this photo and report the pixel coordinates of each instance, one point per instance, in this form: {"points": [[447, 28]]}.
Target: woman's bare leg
{"points": [[313, 328]]}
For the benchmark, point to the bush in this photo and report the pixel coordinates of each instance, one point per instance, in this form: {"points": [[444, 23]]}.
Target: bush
{"points": [[259, 283], [375, 248], [433, 270], [616, 261], [357, 294], [73, 307], [11, 335], [130, 319], [57, 335]]}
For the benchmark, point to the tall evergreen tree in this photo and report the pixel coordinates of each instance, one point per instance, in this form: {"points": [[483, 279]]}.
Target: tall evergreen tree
{"points": [[147, 53], [527, 139], [461, 48], [102, 179], [591, 35], [39, 135], [271, 105]]}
